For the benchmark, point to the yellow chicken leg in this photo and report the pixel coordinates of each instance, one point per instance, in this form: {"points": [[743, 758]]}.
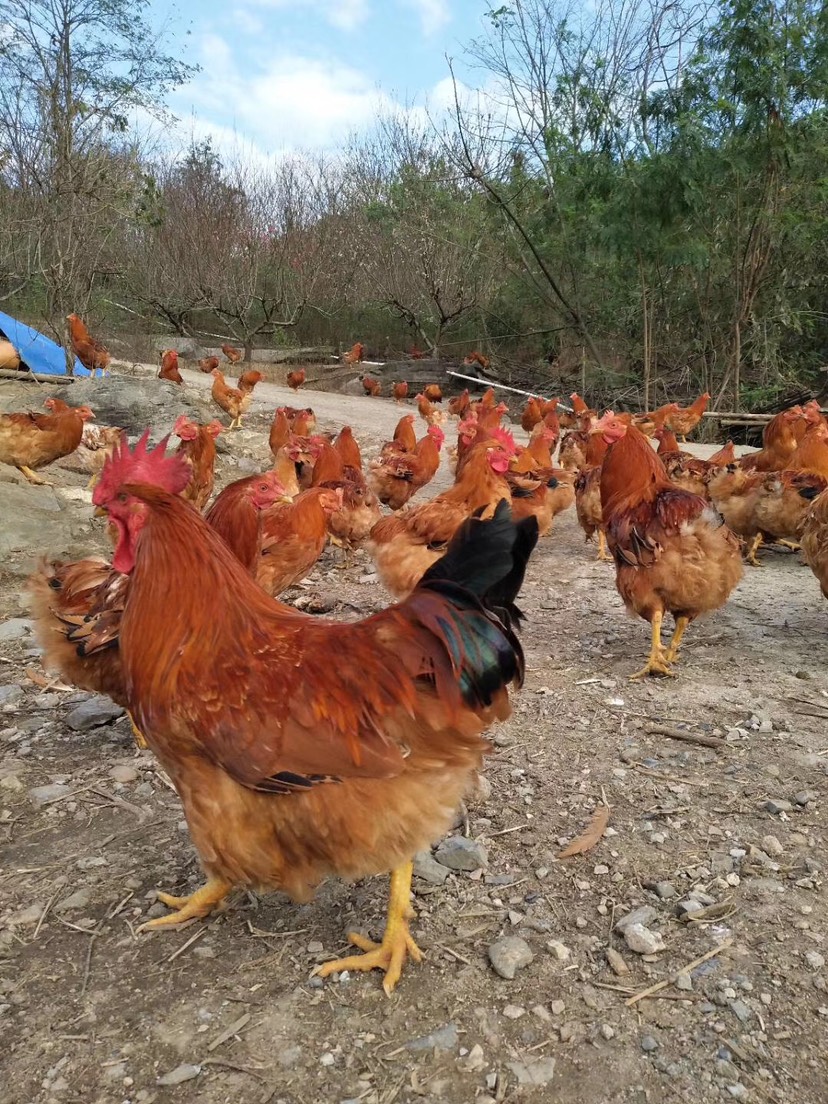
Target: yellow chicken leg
{"points": [[794, 547], [397, 944], [137, 734], [33, 477], [758, 541], [675, 643], [603, 554], [657, 661], [198, 904]]}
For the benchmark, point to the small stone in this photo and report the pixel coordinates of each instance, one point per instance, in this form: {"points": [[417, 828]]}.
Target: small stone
{"points": [[686, 908], [534, 1073], [557, 1007], [738, 1091], [326, 1059], [26, 916], [315, 947], [804, 797], [616, 962], [559, 950], [815, 960], [743, 1012], [508, 955], [513, 1012], [78, 900], [685, 983], [658, 838], [665, 890], [95, 711], [645, 914], [541, 1012], [474, 1062], [179, 1075], [10, 692], [427, 869], [444, 1038], [648, 1044], [600, 869], [16, 628], [459, 853], [607, 1032], [43, 795], [642, 941], [771, 845], [777, 805], [123, 772]]}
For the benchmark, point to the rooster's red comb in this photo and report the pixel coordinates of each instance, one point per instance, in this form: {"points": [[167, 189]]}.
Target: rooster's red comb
{"points": [[141, 465]]}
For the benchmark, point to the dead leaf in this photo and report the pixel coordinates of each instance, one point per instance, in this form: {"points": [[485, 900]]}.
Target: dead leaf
{"points": [[47, 684], [590, 836]]}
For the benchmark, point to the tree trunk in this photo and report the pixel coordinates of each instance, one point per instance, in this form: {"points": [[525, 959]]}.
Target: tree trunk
{"points": [[248, 351]]}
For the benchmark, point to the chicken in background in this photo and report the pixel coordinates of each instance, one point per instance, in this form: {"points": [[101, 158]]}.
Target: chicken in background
{"points": [[813, 538], [236, 515], [685, 419], [404, 439], [400, 390], [208, 364], [532, 414], [302, 420], [396, 478], [233, 354], [478, 358], [406, 544], [91, 353], [371, 387], [433, 392], [416, 353], [428, 410], [734, 492], [588, 483], [350, 525], [460, 404], [683, 469], [32, 441], [198, 448], [169, 367], [537, 487], [294, 536], [344, 748], [296, 379], [354, 354], [230, 399], [649, 423], [672, 550], [248, 381]]}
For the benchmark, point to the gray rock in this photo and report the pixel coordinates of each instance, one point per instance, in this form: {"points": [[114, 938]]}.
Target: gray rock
{"points": [[533, 1073], [743, 1012], [444, 1038], [79, 900], [43, 795], [508, 955], [179, 1075], [738, 1091], [95, 711], [642, 941], [427, 869], [665, 890], [777, 805], [135, 403], [459, 853], [16, 628], [645, 914], [32, 518], [685, 983], [772, 846], [9, 693], [649, 1044], [815, 960], [804, 797], [123, 772]]}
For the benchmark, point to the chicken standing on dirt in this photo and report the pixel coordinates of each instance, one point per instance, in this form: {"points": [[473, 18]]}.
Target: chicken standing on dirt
{"points": [[92, 355], [294, 536], [371, 386], [230, 399], [673, 552], [396, 479], [296, 379], [31, 441], [233, 354], [169, 367], [683, 420], [198, 447], [303, 748], [208, 364]]}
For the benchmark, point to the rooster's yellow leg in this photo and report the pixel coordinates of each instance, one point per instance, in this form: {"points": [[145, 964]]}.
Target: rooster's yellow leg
{"points": [[602, 546], [397, 944], [657, 660], [758, 541], [198, 904], [33, 477], [794, 547], [137, 734], [675, 643]]}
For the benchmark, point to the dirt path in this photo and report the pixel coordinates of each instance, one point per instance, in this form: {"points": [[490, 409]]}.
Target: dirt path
{"points": [[228, 1011]]}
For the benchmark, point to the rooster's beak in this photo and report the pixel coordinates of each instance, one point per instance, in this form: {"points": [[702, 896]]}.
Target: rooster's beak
{"points": [[100, 512]]}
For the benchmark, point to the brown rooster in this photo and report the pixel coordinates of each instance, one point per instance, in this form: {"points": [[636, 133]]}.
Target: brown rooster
{"points": [[354, 354], [207, 364], [169, 367], [296, 379], [371, 386], [233, 354], [199, 449], [400, 390], [92, 355]]}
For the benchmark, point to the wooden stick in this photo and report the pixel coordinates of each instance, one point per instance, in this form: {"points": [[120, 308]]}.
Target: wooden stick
{"points": [[674, 978], [687, 737]]}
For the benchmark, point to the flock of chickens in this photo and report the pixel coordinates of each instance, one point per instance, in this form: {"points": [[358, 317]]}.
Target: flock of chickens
{"points": [[303, 748]]}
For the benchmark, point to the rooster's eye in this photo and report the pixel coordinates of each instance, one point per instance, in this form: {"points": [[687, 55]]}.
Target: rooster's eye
{"points": [[123, 496]]}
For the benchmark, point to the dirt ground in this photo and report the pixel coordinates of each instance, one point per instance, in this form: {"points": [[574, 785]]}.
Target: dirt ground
{"points": [[732, 834]]}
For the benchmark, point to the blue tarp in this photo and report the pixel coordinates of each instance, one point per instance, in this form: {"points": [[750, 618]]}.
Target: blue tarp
{"points": [[37, 352]]}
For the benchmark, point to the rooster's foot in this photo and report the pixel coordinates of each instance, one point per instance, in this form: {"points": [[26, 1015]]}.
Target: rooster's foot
{"points": [[397, 943], [33, 477], [198, 904]]}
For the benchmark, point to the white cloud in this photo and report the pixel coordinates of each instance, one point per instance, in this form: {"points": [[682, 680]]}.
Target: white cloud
{"points": [[345, 15], [433, 14]]}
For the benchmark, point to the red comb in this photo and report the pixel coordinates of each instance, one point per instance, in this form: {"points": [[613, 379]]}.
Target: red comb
{"points": [[141, 465]]}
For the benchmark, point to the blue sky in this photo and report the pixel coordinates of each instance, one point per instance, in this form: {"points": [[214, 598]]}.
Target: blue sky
{"points": [[279, 75]]}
